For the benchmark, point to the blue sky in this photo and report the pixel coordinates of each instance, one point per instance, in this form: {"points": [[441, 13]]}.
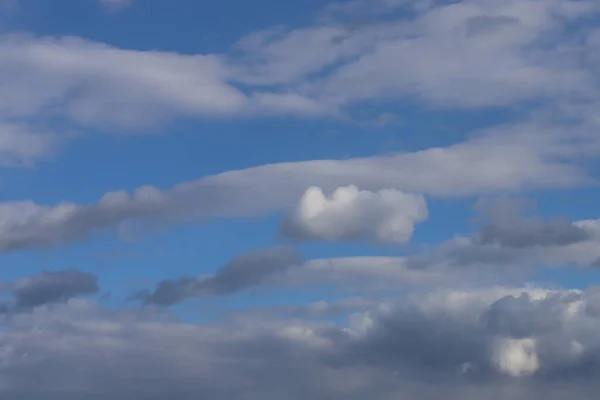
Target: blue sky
{"points": [[313, 183]]}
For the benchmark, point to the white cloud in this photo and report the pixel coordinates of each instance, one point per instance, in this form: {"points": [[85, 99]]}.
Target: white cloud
{"points": [[516, 357], [461, 54], [464, 54], [22, 145], [504, 161], [96, 84], [348, 214]]}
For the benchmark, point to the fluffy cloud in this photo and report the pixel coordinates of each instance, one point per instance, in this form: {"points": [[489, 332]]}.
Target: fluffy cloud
{"points": [[350, 214]]}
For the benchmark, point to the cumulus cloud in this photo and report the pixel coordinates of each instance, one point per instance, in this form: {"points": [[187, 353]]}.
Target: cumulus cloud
{"points": [[387, 216], [516, 357], [242, 272], [413, 348], [49, 287]]}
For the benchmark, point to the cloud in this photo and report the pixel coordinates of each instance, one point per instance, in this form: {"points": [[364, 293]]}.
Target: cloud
{"points": [[503, 160], [281, 268], [335, 308], [50, 287], [324, 70], [517, 357], [361, 273], [312, 71], [510, 227], [397, 348], [242, 272], [518, 244], [387, 216], [464, 54], [94, 84], [532, 232], [23, 145]]}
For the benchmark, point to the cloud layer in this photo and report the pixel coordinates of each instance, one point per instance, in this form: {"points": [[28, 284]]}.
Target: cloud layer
{"points": [[460, 344]]}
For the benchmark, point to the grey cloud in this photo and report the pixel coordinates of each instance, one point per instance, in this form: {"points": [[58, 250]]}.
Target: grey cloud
{"points": [[510, 237], [510, 226], [523, 317], [322, 309], [242, 272], [487, 24], [409, 349], [532, 232], [50, 287]]}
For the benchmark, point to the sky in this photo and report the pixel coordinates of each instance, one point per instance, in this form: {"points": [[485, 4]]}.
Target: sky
{"points": [[350, 199]]}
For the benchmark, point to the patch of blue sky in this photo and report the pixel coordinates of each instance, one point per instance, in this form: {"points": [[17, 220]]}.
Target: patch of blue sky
{"points": [[149, 25]]}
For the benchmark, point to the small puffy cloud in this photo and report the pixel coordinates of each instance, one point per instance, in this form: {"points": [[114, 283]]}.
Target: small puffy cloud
{"points": [[242, 272], [387, 216], [516, 357]]}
